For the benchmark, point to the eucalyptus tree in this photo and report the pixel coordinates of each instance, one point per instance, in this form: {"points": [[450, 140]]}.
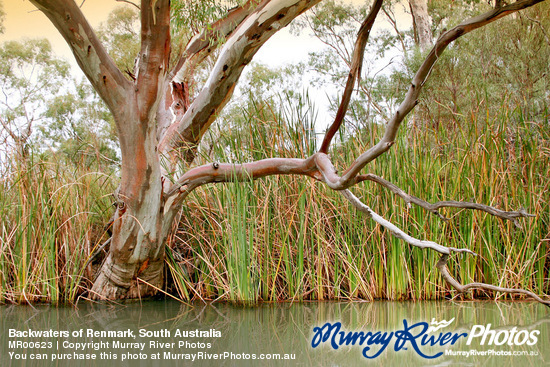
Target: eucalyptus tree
{"points": [[422, 23], [160, 125], [31, 77]]}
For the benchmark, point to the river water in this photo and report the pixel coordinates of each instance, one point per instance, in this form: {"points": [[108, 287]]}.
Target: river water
{"points": [[169, 333]]}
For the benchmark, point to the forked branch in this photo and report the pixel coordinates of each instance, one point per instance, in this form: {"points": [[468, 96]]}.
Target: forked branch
{"points": [[443, 250], [319, 167], [237, 52], [216, 173], [196, 51]]}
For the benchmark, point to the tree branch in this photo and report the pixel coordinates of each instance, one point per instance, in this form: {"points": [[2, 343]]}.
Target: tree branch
{"points": [[202, 45], [129, 2], [90, 54], [319, 167], [227, 172], [422, 75], [442, 266], [198, 48], [444, 251], [354, 74], [242, 45], [396, 231], [512, 216]]}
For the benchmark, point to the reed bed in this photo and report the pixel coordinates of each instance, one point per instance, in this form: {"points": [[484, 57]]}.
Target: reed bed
{"points": [[52, 217], [290, 238]]}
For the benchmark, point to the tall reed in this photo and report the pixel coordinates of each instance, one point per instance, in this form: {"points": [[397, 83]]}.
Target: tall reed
{"points": [[51, 219], [290, 238]]}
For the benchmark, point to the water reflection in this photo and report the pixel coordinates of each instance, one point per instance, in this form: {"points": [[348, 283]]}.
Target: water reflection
{"points": [[271, 328]]}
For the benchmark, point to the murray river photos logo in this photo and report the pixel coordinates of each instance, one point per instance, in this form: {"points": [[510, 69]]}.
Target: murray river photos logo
{"points": [[417, 337]]}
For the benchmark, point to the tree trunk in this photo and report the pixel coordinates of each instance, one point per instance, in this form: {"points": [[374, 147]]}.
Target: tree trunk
{"points": [[422, 23], [138, 233]]}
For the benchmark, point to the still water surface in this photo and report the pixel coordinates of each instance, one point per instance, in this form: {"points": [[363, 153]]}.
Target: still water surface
{"points": [[265, 329]]}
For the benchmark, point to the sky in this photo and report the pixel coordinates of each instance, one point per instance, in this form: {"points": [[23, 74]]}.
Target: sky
{"points": [[24, 21]]}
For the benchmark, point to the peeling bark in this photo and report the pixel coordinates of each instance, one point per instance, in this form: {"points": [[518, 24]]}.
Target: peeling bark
{"points": [[241, 46]]}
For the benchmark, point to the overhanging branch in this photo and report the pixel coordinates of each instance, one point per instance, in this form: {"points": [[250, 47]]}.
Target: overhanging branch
{"points": [[227, 172], [319, 167], [442, 267], [398, 232], [434, 208], [444, 251]]}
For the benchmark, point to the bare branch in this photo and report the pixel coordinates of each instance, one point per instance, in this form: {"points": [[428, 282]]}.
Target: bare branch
{"points": [[422, 76], [391, 18], [354, 74], [512, 216], [398, 232], [9, 130], [129, 2], [320, 167], [444, 251], [90, 54], [227, 172], [442, 266]]}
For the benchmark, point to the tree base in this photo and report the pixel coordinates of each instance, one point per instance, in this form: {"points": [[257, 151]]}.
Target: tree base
{"points": [[115, 282]]}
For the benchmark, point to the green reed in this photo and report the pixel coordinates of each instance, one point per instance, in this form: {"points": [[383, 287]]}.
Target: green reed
{"points": [[291, 238], [294, 239]]}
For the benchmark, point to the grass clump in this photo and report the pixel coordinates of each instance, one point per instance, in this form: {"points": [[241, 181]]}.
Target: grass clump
{"points": [[51, 218]]}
